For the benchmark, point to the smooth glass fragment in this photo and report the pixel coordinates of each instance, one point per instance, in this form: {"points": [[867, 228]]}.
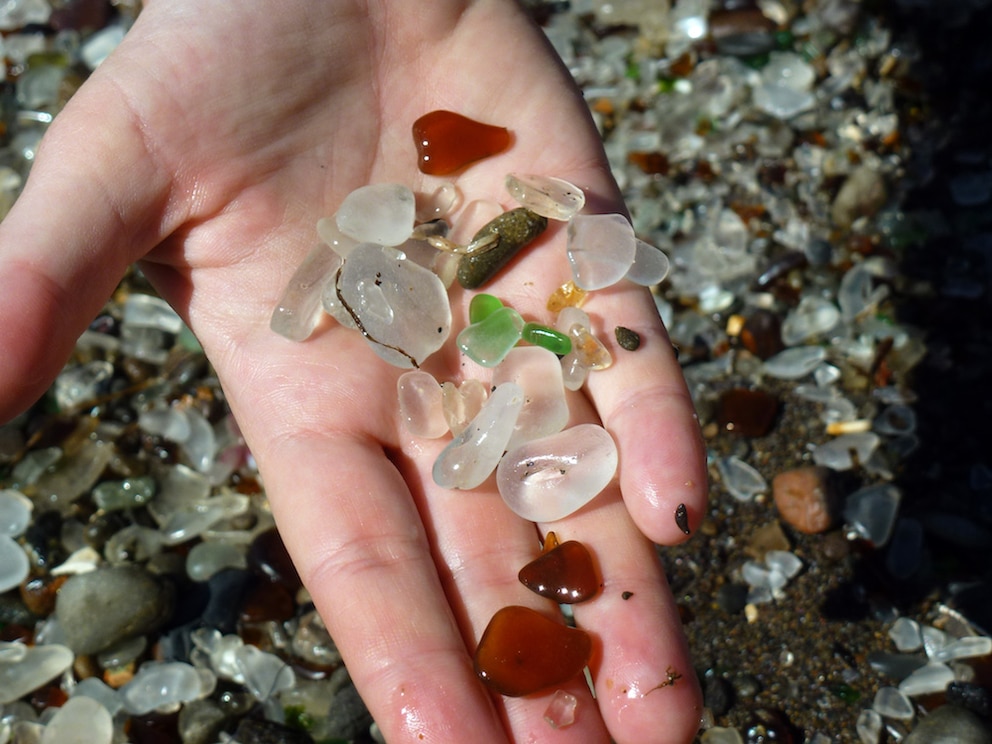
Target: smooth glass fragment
{"points": [[650, 265], [333, 238], [472, 456], [522, 652], [421, 407], [565, 573], [298, 310], [489, 341], [554, 198], [482, 306], [548, 338], [589, 350], [600, 249], [568, 294], [561, 710], [440, 203], [400, 307], [381, 213], [547, 479], [15, 512], [14, 565], [795, 362], [462, 403], [538, 373], [447, 142]]}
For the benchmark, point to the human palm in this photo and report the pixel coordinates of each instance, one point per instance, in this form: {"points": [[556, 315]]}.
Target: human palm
{"points": [[207, 147]]}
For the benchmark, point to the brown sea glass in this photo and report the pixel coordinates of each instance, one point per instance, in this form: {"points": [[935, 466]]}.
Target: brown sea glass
{"points": [[523, 652], [564, 573], [447, 142], [749, 413]]}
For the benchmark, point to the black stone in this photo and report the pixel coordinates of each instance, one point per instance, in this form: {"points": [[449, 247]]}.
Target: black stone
{"points": [[227, 590]]}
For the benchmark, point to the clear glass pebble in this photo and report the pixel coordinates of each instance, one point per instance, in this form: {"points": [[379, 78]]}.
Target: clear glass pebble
{"points": [[402, 308], [547, 479], [313, 643], [964, 648], [81, 720], [114, 495], [265, 675], [561, 710], [928, 679], [148, 311], [905, 633], [298, 311], [169, 422], [472, 456], [784, 562], [600, 249], [421, 406], [207, 558], [82, 383], [813, 317], [378, 213], [15, 512], [38, 665], [161, 686], [96, 689], [538, 372], [741, 480], [73, 475], [721, 735], [333, 238], [895, 420], [871, 511], [554, 198], [462, 403], [891, 702], [837, 453], [439, 203], [14, 565], [869, 727], [794, 363], [650, 265]]}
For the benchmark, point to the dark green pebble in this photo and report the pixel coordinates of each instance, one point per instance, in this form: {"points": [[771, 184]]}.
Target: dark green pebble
{"points": [[628, 339], [514, 230]]}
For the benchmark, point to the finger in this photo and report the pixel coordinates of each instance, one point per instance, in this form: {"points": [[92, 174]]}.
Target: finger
{"points": [[480, 547], [645, 683], [92, 204], [643, 401]]}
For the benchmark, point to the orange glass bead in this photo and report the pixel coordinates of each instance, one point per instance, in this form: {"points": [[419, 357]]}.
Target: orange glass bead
{"points": [[447, 141], [565, 573], [523, 652]]}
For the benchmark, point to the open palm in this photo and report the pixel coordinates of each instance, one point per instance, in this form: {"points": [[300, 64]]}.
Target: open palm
{"points": [[207, 146]]}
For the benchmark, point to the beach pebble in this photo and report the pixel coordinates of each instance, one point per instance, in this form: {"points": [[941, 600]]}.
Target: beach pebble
{"points": [[81, 720], [803, 498], [30, 668], [950, 724]]}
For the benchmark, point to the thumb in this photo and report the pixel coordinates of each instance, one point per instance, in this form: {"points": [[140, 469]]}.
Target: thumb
{"points": [[94, 202]]}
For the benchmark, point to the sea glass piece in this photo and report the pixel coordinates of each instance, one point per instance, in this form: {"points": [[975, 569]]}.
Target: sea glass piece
{"points": [[472, 456], [549, 478], [548, 338], [421, 406], [439, 203], [600, 248], [462, 403], [14, 565], [561, 710], [554, 198], [523, 652], [650, 265], [447, 142], [81, 719], [400, 307], [298, 310], [381, 213], [589, 350], [15, 512], [567, 295], [333, 238], [538, 373], [565, 573], [482, 306], [489, 341], [513, 230]]}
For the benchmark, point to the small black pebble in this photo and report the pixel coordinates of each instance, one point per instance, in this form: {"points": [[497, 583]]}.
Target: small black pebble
{"points": [[682, 518], [627, 595], [627, 338]]}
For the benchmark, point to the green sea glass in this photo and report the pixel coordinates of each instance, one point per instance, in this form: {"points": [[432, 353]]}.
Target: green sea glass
{"points": [[482, 306], [489, 341], [548, 338]]}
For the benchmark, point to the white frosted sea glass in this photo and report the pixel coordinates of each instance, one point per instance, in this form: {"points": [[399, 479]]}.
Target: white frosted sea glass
{"points": [[549, 478], [420, 404], [554, 198], [298, 310], [472, 456], [462, 403], [600, 248], [381, 213], [538, 372]]}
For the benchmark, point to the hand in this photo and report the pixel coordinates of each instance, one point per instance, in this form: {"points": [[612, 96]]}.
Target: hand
{"points": [[206, 147]]}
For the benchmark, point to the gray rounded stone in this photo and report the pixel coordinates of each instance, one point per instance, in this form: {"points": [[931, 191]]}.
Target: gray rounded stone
{"points": [[950, 724], [102, 607]]}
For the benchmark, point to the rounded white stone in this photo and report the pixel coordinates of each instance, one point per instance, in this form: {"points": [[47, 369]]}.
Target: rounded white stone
{"points": [[549, 478], [538, 372], [601, 249], [381, 213], [420, 404], [14, 565], [15, 512], [81, 720]]}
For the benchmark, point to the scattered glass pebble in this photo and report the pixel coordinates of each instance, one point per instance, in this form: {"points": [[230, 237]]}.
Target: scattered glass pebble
{"points": [[561, 710], [421, 404], [600, 249], [565, 573], [447, 142], [554, 198], [378, 213]]}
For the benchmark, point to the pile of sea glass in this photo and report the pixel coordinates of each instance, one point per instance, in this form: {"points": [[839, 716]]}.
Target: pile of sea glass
{"points": [[383, 267]]}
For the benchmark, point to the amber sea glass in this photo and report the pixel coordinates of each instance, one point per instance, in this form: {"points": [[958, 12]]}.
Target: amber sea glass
{"points": [[523, 652], [447, 142], [565, 573]]}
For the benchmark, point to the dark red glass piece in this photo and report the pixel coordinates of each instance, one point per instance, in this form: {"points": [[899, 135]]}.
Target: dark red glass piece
{"points": [[447, 141], [565, 573], [523, 652]]}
